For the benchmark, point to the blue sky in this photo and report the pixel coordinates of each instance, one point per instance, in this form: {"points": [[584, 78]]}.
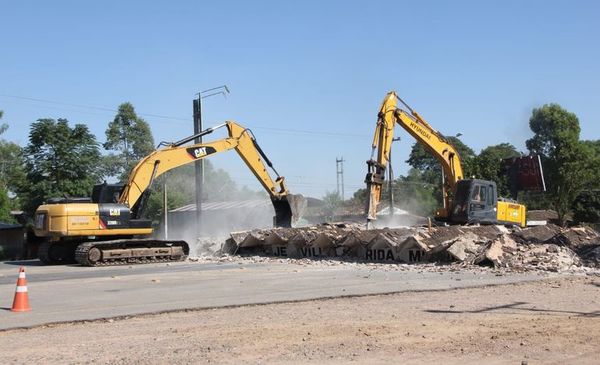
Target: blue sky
{"points": [[307, 76]]}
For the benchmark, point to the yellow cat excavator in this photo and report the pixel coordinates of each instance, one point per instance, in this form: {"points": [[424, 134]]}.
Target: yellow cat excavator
{"points": [[109, 227], [466, 201]]}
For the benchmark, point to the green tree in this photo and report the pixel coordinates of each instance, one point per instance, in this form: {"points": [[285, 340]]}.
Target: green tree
{"points": [[488, 165], [131, 137], [566, 161], [423, 160], [586, 207], [11, 175], [415, 195], [59, 161], [593, 147], [11, 162], [4, 202], [5, 206], [430, 168], [411, 193]]}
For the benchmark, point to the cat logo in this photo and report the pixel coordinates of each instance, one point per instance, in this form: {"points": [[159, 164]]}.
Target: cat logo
{"points": [[115, 212], [199, 152]]}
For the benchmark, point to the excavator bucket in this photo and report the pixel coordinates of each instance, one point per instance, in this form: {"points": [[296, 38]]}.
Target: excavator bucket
{"points": [[288, 209]]}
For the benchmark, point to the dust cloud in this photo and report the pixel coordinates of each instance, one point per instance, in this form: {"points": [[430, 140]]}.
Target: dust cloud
{"points": [[206, 236], [408, 212]]}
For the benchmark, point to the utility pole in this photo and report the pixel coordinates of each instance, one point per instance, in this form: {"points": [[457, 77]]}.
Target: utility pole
{"points": [[199, 165], [339, 166]]}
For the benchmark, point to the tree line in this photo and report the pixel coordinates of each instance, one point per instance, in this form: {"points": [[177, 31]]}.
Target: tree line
{"points": [[61, 160]]}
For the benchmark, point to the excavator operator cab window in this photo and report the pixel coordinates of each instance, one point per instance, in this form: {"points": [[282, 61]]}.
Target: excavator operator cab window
{"points": [[479, 197], [478, 194], [106, 193], [490, 195]]}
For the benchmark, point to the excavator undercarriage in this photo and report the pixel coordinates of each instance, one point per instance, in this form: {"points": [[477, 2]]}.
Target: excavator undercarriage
{"points": [[113, 252], [130, 251]]}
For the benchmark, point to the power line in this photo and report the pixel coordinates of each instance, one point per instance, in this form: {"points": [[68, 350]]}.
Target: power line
{"points": [[171, 118], [311, 132], [89, 107]]}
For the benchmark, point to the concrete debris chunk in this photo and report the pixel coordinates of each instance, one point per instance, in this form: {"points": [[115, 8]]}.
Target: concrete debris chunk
{"points": [[549, 248], [578, 237], [462, 247], [492, 254], [537, 234]]}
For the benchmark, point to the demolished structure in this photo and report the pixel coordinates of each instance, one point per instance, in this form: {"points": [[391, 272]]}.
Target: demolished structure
{"points": [[548, 248]]}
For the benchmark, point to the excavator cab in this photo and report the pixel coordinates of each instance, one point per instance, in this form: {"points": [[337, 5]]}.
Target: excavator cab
{"points": [[475, 202]]}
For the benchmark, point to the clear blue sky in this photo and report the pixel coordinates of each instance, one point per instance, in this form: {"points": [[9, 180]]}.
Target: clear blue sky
{"points": [[306, 76]]}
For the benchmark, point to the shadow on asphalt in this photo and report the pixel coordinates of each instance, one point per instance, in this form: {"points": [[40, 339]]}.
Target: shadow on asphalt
{"points": [[516, 306], [24, 263], [35, 263]]}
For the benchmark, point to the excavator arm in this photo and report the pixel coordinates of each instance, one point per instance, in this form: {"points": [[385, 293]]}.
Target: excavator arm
{"points": [[177, 154], [433, 141]]}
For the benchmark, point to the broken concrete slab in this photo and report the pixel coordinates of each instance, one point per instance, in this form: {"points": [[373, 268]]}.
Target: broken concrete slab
{"points": [[412, 250], [540, 248], [577, 237], [537, 234], [463, 246], [380, 248]]}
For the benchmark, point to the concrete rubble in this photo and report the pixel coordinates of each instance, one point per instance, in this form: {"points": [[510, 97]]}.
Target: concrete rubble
{"points": [[547, 248]]}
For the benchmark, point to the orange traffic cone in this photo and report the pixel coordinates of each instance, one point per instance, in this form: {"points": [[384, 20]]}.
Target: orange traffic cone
{"points": [[21, 302]]}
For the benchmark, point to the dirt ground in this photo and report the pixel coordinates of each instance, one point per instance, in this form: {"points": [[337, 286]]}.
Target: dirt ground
{"points": [[555, 321]]}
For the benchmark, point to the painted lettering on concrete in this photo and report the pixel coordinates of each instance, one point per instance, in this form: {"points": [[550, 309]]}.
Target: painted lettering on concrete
{"points": [[415, 255], [280, 251], [311, 252], [379, 255]]}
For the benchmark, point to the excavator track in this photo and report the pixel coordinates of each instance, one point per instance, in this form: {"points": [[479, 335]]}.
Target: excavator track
{"points": [[56, 253], [130, 251]]}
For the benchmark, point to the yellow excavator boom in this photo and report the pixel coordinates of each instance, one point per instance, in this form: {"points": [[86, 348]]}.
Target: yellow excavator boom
{"points": [[177, 154]]}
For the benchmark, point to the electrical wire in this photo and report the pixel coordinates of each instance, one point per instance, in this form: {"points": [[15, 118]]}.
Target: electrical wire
{"points": [[297, 132], [88, 106]]}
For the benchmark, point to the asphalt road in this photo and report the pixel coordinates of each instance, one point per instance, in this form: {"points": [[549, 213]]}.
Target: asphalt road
{"points": [[70, 293]]}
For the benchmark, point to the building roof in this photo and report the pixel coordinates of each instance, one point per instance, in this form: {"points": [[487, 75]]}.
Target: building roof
{"points": [[213, 206], [397, 211]]}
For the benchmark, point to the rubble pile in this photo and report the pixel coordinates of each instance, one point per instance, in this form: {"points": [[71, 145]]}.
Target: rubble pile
{"points": [[548, 247]]}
